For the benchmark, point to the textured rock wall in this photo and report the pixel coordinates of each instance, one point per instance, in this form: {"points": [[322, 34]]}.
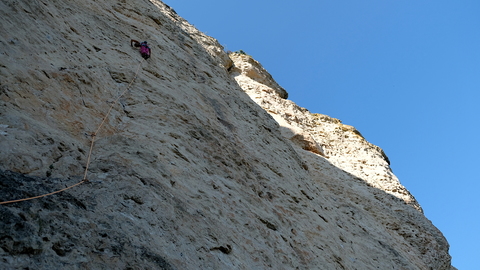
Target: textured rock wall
{"points": [[342, 145], [188, 171]]}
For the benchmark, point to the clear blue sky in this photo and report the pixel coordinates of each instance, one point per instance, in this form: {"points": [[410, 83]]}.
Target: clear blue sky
{"points": [[405, 73]]}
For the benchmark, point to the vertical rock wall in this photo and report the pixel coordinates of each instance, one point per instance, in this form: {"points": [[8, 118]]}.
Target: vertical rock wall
{"points": [[342, 145], [188, 171]]}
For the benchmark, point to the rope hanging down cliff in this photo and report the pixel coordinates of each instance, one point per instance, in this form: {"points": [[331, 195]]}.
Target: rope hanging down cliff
{"points": [[93, 136]]}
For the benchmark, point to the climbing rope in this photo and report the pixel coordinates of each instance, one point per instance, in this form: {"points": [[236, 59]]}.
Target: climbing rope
{"points": [[105, 119], [93, 136]]}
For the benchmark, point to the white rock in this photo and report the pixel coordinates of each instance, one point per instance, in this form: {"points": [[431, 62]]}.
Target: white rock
{"points": [[187, 172]]}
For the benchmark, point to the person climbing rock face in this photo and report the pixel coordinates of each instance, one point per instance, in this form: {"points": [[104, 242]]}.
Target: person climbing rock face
{"points": [[145, 50]]}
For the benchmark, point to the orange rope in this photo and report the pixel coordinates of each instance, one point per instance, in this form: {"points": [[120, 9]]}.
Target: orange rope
{"points": [[105, 119], [91, 147], [44, 195]]}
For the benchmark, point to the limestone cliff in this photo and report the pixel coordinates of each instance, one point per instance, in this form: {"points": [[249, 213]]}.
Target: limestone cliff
{"points": [[202, 164], [342, 145]]}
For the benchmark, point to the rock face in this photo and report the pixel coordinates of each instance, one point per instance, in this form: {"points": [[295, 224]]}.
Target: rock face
{"points": [[341, 144], [202, 164]]}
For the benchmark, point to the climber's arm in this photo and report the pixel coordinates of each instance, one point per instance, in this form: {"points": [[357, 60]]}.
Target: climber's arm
{"points": [[135, 43]]}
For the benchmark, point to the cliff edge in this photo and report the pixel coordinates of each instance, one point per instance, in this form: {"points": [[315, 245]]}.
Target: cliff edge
{"points": [[202, 162]]}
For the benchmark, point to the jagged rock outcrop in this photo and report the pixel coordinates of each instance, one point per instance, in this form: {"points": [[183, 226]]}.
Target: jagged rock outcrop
{"points": [[343, 145], [188, 171]]}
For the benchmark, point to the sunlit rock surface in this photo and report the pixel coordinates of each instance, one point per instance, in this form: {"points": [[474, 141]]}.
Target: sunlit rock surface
{"points": [[202, 163]]}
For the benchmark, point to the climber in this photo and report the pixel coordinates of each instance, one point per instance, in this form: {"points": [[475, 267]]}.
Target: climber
{"points": [[144, 48]]}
